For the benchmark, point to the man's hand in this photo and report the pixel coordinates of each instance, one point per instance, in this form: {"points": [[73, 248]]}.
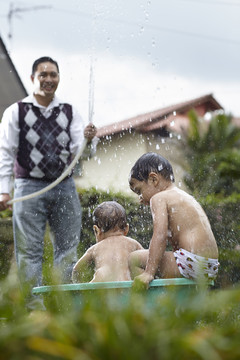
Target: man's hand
{"points": [[90, 131], [4, 198], [142, 281]]}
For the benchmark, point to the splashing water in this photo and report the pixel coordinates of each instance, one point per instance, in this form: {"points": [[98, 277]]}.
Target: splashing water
{"points": [[91, 75], [91, 95]]}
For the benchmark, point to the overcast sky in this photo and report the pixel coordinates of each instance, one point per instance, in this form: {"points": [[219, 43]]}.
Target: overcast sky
{"points": [[144, 54]]}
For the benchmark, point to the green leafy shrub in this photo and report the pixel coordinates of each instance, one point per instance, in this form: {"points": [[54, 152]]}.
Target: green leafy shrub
{"points": [[213, 156], [213, 177], [6, 214], [6, 245], [224, 216]]}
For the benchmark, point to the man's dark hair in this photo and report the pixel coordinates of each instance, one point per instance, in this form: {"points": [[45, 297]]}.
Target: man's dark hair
{"points": [[109, 215], [42, 60], [151, 162]]}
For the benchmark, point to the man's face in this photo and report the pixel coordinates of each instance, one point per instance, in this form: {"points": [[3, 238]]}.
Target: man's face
{"points": [[45, 79]]}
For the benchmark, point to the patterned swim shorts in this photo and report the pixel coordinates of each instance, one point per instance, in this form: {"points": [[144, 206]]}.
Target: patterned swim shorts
{"points": [[194, 266]]}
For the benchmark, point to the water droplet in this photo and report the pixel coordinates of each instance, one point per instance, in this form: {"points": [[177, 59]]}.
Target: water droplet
{"points": [[141, 30]]}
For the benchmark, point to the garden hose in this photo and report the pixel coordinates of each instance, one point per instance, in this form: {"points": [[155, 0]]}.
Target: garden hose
{"points": [[54, 183]]}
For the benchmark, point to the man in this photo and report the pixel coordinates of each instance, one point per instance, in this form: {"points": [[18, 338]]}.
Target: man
{"points": [[38, 136]]}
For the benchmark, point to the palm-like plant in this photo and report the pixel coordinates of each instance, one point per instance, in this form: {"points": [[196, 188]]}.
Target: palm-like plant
{"points": [[214, 155]]}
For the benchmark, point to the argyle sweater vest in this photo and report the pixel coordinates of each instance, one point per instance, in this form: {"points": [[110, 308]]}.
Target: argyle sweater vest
{"points": [[44, 143]]}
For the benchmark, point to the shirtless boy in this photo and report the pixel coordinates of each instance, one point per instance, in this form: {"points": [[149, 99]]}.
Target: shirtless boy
{"points": [[110, 253], [178, 219]]}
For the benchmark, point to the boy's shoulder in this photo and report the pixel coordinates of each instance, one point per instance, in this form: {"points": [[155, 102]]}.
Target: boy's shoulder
{"points": [[171, 197], [164, 194], [172, 191]]}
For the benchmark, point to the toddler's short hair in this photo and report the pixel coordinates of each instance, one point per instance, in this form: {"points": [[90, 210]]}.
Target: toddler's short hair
{"points": [[109, 215], [151, 162]]}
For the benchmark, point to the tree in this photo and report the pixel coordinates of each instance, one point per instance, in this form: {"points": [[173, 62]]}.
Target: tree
{"points": [[214, 179], [213, 155]]}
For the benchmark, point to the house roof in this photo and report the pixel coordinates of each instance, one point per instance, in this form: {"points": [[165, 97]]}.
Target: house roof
{"points": [[12, 88], [173, 116]]}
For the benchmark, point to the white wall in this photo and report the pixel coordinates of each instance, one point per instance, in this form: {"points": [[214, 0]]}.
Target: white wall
{"points": [[110, 167]]}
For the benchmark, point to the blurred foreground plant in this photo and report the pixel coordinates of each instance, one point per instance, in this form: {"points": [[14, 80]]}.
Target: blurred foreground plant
{"points": [[203, 325]]}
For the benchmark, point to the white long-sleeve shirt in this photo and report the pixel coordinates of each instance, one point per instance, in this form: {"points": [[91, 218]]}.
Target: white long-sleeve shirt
{"points": [[9, 137]]}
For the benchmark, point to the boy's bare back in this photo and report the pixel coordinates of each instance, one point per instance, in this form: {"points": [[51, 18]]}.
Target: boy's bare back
{"points": [[178, 219], [188, 225]]}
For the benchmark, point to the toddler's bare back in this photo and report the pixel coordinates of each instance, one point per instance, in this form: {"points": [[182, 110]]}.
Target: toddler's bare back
{"points": [[111, 258]]}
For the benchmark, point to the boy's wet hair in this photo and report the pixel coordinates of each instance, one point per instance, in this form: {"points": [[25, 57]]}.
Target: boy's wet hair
{"points": [[151, 162], [42, 60], [109, 215]]}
